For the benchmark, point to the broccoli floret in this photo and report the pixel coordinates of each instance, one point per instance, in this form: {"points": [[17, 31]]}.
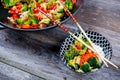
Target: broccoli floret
{"points": [[9, 3], [85, 67], [94, 62], [25, 7], [69, 4], [46, 21], [83, 51], [58, 15], [69, 55], [59, 10], [19, 21], [33, 20]]}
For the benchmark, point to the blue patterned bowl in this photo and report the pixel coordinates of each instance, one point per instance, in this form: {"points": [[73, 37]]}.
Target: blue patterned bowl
{"points": [[95, 37]]}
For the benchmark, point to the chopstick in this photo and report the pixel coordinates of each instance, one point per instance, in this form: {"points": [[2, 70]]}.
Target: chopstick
{"points": [[95, 50], [66, 30]]}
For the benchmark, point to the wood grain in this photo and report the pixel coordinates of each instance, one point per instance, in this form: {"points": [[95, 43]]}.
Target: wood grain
{"points": [[39, 51]]}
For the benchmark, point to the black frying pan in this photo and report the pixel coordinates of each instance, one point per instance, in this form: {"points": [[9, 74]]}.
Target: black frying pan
{"points": [[4, 14]]}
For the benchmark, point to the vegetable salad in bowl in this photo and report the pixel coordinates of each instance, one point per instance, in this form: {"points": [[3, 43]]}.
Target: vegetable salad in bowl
{"points": [[80, 58], [25, 14]]}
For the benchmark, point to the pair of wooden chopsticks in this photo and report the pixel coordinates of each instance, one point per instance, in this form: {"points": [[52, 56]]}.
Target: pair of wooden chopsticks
{"points": [[68, 31], [93, 46]]}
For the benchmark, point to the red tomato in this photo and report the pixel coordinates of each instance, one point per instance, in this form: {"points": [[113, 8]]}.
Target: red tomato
{"points": [[26, 18], [16, 11], [36, 10], [14, 16], [19, 6], [63, 0], [53, 6], [35, 26], [74, 2]]}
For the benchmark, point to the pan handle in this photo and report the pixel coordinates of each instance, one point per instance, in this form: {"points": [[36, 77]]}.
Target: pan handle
{"points": [[2, 26]]}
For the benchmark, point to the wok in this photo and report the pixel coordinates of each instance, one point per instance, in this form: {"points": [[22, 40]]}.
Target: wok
{"points": [[5, 24]]}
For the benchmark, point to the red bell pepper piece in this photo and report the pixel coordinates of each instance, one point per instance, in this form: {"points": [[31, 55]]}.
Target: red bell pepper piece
{"points": [[78, 47]]}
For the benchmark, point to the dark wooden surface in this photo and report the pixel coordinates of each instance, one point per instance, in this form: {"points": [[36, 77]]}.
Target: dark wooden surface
{"points": [[39, 51]]}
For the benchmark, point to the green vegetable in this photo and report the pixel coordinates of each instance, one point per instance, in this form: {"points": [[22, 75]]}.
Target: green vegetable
{"points": [[58, 15], [60, 10], [83, 51], [9, 3], [69, 4], [19, 21], [85, 67], [73, 63], [69, 55], [27, 22], [86, 41], [25, 7], [94, 62], [76, 66], [32, 3], [46, 21], [33, 20]]}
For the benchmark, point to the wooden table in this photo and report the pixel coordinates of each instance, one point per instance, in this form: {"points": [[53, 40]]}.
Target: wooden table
{"points": [[39, 51]]}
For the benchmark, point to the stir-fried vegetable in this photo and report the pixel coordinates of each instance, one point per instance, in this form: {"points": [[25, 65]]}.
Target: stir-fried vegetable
{"points": [[80, 58], [27, 12]]}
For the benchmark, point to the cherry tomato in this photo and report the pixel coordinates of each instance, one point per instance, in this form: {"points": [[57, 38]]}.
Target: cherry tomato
{"points": [[53, 6], [74, 2], [14, 16], [26, 18]]}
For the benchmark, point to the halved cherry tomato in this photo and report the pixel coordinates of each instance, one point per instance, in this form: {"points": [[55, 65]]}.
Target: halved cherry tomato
{"points": [[74, 2], [26, 18], [15, 16], [19, 6], [14, 11], [53, 6], [36, 10]]}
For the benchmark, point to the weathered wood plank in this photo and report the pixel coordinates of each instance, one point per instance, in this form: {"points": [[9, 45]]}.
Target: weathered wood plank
{"points": [[39, 51]]}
